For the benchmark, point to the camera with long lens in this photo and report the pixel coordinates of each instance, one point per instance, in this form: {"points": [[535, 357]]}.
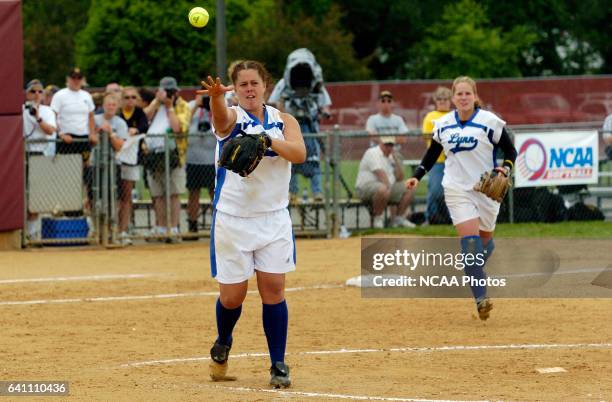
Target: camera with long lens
{"points": [[31, 108], [204, 126], [171, 92]]}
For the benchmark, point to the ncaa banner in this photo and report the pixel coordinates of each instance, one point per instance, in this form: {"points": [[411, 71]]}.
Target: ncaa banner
{"points": [[556, 158]]}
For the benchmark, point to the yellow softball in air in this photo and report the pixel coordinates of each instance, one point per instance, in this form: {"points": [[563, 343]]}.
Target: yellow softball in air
{"points": [[198, 17]]}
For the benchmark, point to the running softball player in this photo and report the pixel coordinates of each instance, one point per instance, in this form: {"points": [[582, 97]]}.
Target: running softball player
{"points": [[251, 227], [469, 137]]}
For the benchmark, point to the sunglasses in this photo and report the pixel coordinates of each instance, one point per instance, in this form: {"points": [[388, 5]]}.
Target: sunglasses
{"points": [[386, 100], [36, 91], [130, 97]]}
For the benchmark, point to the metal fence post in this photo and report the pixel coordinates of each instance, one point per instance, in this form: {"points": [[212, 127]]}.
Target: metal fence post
{"points": [[167, 180], [103, 163], [326, 184], [26, 192], [336, 181]]}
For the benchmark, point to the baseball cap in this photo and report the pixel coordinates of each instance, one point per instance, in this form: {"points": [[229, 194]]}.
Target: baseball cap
{"points": [[75, 73], [168, 83], [385, 94], [387, 140], [34, 83]]}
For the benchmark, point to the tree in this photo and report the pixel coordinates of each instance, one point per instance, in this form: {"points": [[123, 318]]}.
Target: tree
{"points": [[49, 28], [464, 43], [140, 42], [572, 37], [288, 27]]}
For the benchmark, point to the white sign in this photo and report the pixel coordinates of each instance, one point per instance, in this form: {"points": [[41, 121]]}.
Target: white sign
{"points": [[556, 158]]}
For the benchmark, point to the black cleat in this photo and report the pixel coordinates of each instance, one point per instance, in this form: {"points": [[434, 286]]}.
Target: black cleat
{"points": [[218, 365], [279, 375], [219, 353]]}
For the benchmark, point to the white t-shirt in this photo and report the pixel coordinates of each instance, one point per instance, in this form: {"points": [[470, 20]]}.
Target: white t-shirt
{"points": [[266, 189], [159, 127], [386, 125], [469, 148], [73, 108], [375, 159], [202, 145], [32, 130]]}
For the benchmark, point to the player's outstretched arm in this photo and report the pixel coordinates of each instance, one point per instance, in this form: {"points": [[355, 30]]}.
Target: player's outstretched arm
{"points": [[292, 148], [224, 118]]}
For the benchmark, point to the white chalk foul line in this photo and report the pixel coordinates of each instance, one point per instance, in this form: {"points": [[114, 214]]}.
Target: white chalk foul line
{"points": [[287, 393], [147, 297], [428, 349], [78, 278]]}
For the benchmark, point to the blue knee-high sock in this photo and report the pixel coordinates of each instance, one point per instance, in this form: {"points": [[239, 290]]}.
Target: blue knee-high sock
{"points": [[488, 249], [473, 245], [226, 320], [275, 321]]}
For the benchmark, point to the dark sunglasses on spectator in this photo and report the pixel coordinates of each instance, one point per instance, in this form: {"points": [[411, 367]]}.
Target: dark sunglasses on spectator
{"points": [[130, 97], [36, 91], [386, 100]]}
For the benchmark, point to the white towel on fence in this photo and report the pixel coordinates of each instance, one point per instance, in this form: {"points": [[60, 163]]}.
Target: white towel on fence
{"points": [[128, 154]]}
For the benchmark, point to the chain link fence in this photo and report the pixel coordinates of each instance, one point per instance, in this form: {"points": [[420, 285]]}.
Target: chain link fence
{"points": [[154, 192]]}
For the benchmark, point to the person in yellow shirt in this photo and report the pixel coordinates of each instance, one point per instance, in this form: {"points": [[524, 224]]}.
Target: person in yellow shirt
{"points": [[436, 208]]}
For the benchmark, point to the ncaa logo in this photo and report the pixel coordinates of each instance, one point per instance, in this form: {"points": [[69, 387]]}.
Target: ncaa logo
{"points": [[532, 159]]}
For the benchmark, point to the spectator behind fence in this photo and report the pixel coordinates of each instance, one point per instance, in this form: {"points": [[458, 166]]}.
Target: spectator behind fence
{"points": [[38, 125], [169, 114], [302, 94], [380, 182], [385, 122], [117, 130], [607, 135], [112, 88], [200, 158], [133, 114], [74, 108], [436, 208]]}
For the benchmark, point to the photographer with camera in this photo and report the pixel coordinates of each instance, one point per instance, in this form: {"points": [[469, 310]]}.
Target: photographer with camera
{"points": [[302, 94], [169, 115], [200, 159], [38, 125]]}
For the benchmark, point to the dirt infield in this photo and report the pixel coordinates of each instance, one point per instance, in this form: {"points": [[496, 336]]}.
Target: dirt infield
{"points": [[111, 336]]}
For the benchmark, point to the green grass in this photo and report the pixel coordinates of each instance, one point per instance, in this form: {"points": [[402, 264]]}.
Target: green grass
{"points": [[597, 229]]}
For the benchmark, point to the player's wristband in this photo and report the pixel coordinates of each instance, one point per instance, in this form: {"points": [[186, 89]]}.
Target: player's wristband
{"points": [[508, 164], [419, 172]]}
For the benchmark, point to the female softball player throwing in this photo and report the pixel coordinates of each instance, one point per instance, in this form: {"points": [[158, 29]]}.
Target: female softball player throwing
{"points": [[251, 227], [469, 137]]}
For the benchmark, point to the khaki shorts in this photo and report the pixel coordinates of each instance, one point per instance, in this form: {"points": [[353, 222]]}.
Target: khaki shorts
{"points": [[157, 182], [367, 191]]}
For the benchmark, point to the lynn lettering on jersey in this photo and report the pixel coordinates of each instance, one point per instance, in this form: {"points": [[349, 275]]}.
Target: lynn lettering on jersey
{"points": [[459, 140]]}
